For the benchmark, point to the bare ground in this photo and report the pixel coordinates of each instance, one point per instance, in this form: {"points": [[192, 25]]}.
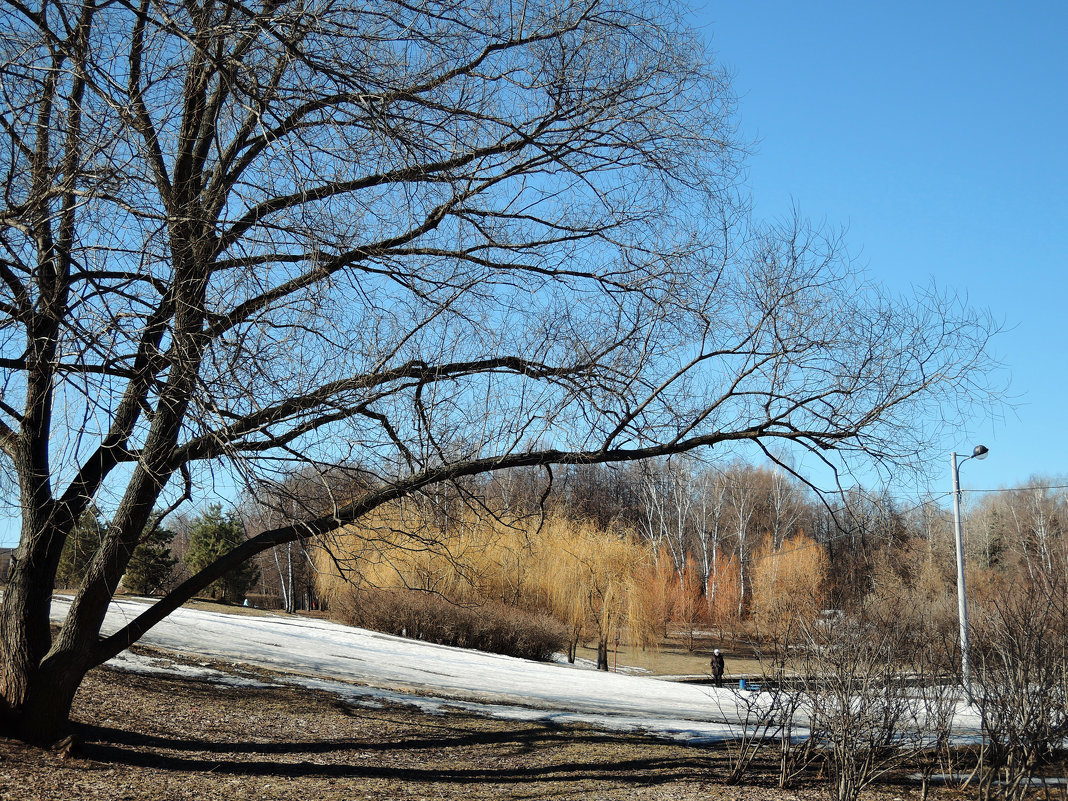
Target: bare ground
{"points": [[151, 738]]}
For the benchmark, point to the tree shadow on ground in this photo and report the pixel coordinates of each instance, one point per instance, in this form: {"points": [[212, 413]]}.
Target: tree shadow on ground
{"points": [[453, 756]]}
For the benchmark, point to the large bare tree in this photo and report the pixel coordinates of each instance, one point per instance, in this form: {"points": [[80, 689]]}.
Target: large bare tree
{"points": [[430, 240]]}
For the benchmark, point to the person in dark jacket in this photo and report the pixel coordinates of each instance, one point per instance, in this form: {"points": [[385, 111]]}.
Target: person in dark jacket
{"points": [[717, 667]]}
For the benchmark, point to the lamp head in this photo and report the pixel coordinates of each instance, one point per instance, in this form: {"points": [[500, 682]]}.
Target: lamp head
{"points": [[980, 452]]}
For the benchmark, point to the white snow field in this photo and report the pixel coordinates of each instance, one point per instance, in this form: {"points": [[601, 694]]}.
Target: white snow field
{"points": [[366, 667]]}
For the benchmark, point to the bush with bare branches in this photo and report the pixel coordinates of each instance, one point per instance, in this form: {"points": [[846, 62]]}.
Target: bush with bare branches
{"points": [[1020, 683], [862, 711], [492, 627]]}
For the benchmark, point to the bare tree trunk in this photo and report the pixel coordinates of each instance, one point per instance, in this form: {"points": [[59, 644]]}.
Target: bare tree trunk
{"points": [[37, 687], [602, 653]]}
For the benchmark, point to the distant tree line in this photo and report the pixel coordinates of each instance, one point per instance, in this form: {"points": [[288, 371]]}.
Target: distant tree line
{"points": [[729, 545]]}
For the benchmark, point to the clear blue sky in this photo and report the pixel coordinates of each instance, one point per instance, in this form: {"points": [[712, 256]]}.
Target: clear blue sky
{"points": [[937, 133]]}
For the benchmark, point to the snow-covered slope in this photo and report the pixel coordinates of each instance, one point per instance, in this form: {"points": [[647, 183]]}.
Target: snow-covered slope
{"points": [[364, 666]]}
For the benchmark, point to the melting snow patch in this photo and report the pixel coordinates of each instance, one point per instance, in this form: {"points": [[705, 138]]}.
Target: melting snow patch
{"points": [[160, 666]]}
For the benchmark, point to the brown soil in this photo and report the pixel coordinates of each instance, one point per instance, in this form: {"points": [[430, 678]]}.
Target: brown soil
{"points": [[155, 739]]}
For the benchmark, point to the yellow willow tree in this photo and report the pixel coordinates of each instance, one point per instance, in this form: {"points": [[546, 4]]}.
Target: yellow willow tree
{"points": [[723, 595], [595, 581], [404, 545], [788, 582], [599, 576]]}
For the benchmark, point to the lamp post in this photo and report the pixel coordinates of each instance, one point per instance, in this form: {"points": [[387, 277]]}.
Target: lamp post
{"points": [[979, 452]]}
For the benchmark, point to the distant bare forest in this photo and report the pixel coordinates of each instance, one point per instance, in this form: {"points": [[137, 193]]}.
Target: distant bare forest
{"points": [[669, 545]]}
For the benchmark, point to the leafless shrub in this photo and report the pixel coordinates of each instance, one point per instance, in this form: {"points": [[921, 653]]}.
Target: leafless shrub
{"points": [[938, 700], [785, 697], [909, 590], [1020, 684], [759, 721], [862, 711], [491, 627]]}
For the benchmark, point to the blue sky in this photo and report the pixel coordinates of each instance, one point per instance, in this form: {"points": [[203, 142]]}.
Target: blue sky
{"points": [[937, 134]]}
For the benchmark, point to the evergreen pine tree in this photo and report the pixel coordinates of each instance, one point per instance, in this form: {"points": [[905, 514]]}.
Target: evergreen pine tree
{"points": [[79, 548], [212, 535], [152, 563]]}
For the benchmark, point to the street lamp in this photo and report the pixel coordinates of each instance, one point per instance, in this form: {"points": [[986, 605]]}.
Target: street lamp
{"points": [[979, 452]]}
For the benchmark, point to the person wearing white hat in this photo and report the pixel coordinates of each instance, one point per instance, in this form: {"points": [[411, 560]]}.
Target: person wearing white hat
{"points": [[717, 666]]}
